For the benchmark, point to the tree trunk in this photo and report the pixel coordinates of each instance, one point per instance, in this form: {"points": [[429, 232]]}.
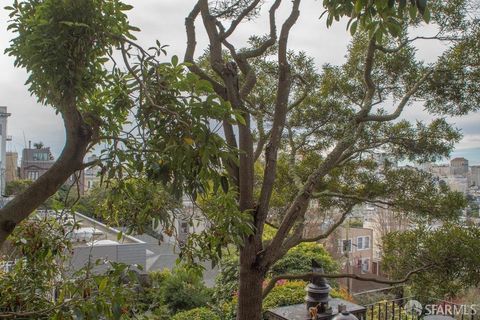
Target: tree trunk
{"points": [[78, 136], [250, 285]]}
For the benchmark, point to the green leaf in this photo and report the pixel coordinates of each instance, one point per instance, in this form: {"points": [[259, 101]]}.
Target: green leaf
{"points": [[413, 12], [134, 28], [427, 15], [174, 61], [224, 183], [421, 5], [240, 119], [353, 28], [103, 284], [358, 6]]}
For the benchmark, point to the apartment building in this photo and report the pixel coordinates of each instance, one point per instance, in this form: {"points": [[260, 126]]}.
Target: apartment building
{"points": [[37, 160]]}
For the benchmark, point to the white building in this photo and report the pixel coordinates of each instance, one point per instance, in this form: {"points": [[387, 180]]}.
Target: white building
{"points": [[3, 147], [92, 175], [187, 220], [94, 241]]}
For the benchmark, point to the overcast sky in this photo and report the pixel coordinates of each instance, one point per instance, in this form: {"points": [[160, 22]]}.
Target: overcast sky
{"points": [[164, 20]]}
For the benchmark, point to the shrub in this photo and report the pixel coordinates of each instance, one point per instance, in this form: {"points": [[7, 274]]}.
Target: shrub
{"points": [[287, 293], [184, 290], [228, 309], [299, 260], [196, 314], [293, 292], [160, 313]]}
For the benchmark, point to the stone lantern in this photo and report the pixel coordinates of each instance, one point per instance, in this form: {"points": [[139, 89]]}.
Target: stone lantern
{"points": [[318, 291], [318, 304]]}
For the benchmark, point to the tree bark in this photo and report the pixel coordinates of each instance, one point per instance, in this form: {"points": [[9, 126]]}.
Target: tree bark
{"points": [[250, 285], [78, 137]]}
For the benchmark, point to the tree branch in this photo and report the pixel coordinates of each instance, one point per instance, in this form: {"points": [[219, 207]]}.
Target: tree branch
{"points": [[310, 275], [402, 104], [281, 108], [78, 137], [238, 20], [190, 51]]}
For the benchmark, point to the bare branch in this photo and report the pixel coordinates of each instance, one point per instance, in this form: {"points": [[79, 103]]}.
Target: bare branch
{"points": [[281, 108], [351, 197], [331, 229], [367, 79], [236, 22], [190, 51], [404, 43], [402, 104]]}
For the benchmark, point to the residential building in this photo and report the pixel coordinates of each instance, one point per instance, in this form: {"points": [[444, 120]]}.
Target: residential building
{"points": [[353, 248], [475, 175], [3, 147], [11, 171], [37, 160], [457, 183], [355, 244], [188, 220], [441, 170]]}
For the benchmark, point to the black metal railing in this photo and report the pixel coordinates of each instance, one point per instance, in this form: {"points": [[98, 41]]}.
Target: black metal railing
{"points": [[410, 309]]}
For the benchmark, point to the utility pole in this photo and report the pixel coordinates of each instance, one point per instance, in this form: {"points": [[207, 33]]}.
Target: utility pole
{"points": [[349, 247]]}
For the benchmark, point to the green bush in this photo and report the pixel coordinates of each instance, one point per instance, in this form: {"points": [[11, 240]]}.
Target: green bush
{"points": [[196, 314], [293, 292], [288, 293], [172, 291], [184, 290], [299, 260], [228, 309], [160, 313]]}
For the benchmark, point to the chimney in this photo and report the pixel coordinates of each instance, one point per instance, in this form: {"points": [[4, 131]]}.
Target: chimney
{"points": [[29, 144]]}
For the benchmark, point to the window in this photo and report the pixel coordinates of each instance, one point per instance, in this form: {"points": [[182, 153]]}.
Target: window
{"points": [[363, 243], [345, 245], [41, 156], [32, 175], [365, 265]]}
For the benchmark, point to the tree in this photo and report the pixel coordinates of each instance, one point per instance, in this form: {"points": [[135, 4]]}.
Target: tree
{"points": [[337, 116], [65, 46], [274, 103], [38, 145], [449, 251]]}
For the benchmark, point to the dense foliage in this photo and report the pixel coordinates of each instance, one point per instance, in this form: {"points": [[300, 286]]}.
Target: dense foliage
{"points": [[448, 255], [42, 285], [196, 314], [294, 134]]}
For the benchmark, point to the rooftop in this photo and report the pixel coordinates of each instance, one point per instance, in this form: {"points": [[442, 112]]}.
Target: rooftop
{"points": [[92, 232]]}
